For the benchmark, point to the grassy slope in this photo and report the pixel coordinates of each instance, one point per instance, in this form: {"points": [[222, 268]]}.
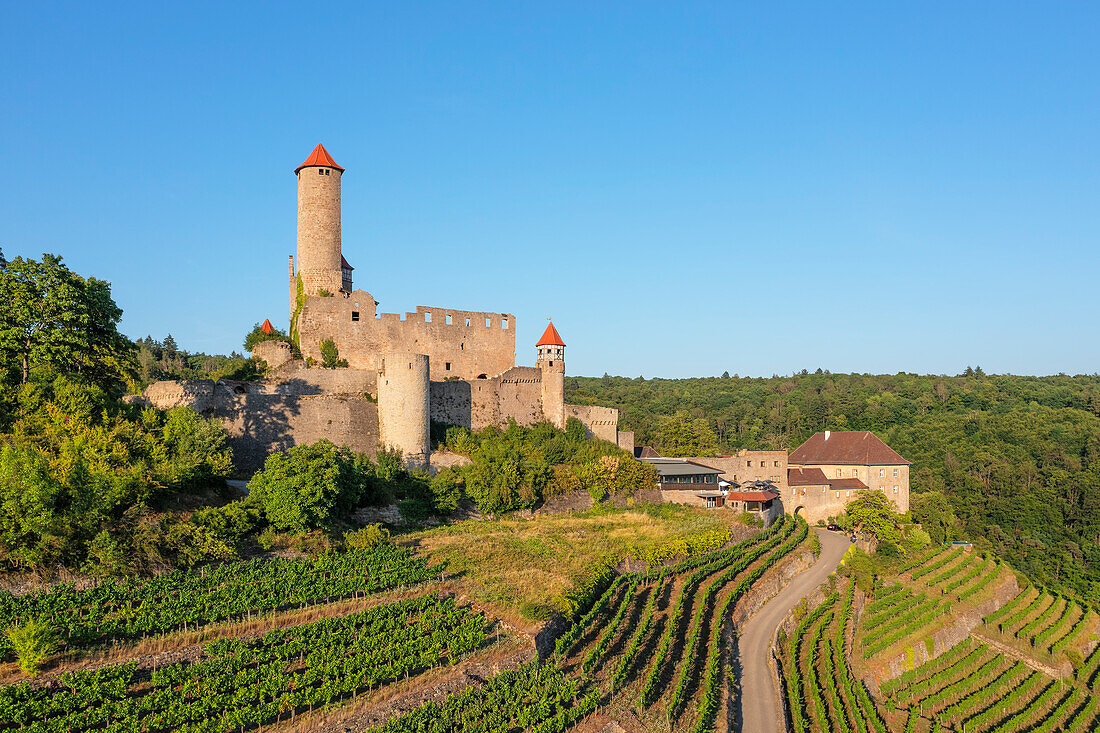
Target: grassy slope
{"points": [[526, 566]]}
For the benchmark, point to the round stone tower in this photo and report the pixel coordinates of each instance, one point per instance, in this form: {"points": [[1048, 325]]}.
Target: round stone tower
{"points": [[403, 411], [551, 361], [319, 257]]}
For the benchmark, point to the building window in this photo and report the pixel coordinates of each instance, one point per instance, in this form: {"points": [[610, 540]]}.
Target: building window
{"points": [[355, 315], [838, 473], [447, 366], [320, 171], [748, 464], [895, 473], [504, 323], [895, 489], [855, 473], [448, 319], [427, 318], [882, 473], [838, 494], [847, 494], [467, 322], [777, 464]]}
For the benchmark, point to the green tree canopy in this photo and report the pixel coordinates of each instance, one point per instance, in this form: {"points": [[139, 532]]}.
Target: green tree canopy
{"points": [[54, 321]]}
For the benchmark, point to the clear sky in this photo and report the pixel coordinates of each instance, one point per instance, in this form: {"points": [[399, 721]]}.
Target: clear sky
{"points": [[686, 188]]}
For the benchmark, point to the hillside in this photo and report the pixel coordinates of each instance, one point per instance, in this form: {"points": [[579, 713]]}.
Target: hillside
{"points": [[1010, 462], [946, 642]]}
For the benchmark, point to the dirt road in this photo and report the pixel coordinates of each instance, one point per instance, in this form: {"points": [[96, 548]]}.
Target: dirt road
{"points": [[759, 697]]}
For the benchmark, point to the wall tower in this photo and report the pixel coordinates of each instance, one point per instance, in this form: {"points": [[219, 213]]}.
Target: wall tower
{"points": [[320, 264], [551, 360], [403, 406]]}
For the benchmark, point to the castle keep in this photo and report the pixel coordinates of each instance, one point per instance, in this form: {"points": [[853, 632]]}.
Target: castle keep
{"points": [[403, 370]]}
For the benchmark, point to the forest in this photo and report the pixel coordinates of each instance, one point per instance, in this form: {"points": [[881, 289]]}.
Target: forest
{"points": [[1010, 462]]}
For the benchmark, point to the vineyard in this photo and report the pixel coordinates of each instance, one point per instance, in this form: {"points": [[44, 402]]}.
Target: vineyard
{"points": [[657, 644], [177, 601], [1031, 664], [244, 683]]}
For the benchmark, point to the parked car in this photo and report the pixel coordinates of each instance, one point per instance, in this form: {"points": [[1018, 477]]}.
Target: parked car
{"points": [[833, 528]]}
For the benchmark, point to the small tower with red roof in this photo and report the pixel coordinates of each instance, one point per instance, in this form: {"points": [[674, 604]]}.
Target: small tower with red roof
{"points": [[551, 360], [320, 265]]}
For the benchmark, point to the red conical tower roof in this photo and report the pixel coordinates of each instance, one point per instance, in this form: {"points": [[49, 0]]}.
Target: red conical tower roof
{"points": [[267, 327], [550, 337], [319, 158]]}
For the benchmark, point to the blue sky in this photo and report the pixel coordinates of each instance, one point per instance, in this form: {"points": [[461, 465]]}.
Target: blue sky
{"points": [[686, 188]]}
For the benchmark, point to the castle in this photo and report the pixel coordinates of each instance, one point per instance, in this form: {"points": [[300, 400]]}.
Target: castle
{"points": [[403, 370]]}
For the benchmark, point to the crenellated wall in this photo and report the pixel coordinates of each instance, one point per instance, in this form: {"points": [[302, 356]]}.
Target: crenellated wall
{"points": [[459, 344]]}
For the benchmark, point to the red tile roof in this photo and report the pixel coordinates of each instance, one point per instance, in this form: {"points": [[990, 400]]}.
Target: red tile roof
{"points": [[751, 495], [319, 158], [267, 327], [846, 483], [550, 337], [806, 477], [854, 448]]}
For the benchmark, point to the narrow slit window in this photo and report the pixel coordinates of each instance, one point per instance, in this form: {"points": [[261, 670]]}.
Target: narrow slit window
{"points": [[355, 315], [448, 366], [467, 322], [448, 320]]}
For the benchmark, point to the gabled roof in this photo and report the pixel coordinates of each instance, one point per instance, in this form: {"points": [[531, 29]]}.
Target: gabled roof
{"points": [[645, 451], [550, 337], [806, 477], [267, 327], [344, 263], [319, 158], [853, 448]]}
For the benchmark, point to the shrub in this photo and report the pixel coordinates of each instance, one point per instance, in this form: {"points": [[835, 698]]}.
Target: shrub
{"points": [[33, 642], [330, 355], [310, 486], [373, 535]]}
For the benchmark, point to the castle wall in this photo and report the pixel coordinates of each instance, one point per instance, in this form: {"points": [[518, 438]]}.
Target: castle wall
{"points": [[479, 403], [519, 396], [464, 348], [273, 353], [602, 422], [265, 418], [319, 229]]}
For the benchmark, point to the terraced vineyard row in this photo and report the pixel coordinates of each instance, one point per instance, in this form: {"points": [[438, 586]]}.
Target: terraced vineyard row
{"points": [[241, 684], [822, 693], [182, 599], [656, 642]]}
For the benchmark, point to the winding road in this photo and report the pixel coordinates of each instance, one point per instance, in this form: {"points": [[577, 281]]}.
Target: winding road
{"points": [[759, 698]]}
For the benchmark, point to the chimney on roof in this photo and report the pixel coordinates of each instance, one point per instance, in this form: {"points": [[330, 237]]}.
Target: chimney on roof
{"points": [[826, 435]]}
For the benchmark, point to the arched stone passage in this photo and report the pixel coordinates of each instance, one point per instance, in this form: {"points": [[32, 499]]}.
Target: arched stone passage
{"points": [[800, 511]]}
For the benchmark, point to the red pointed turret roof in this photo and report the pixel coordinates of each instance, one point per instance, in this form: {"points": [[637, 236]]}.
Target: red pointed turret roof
{"points": [[267, 327], [319, 158], [550, 337]]}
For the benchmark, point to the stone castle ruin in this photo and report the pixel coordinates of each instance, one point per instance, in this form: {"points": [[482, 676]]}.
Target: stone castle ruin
{"points": [[404, 370]]}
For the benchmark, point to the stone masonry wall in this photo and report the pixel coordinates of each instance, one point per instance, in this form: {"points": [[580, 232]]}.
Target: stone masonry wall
{"points": [[602, 422], [756, 465], [262, 418], [465, 347]]}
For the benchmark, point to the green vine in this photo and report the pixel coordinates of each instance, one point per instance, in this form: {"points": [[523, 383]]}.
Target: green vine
{"points": [[299, 303]]}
